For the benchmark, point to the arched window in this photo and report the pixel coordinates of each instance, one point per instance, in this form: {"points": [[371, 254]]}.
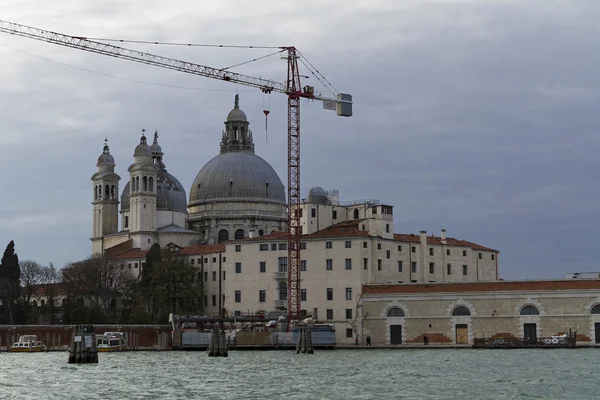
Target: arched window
{"points": [[137, 183], [34, 303], [595, 309], [529, 310], [461, 312], [356, 213], [151, 184], [395, 312], [96, 192], [239, 234], [223, 235], [106, 192], [99, 192], [113, 305], [283, 292], [80, 303], [145, 181], [260, 232], [112, 192]]}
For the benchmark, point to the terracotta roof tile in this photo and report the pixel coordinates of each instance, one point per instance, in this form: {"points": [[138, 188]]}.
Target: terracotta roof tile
{"points": [[202, 249], [342, 230], [436, 240], [135, 253], [410, 288]]}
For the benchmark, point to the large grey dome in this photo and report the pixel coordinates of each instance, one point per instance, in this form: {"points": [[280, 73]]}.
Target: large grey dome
{"points": [[237, 175], [318, 195], [170, 192]]}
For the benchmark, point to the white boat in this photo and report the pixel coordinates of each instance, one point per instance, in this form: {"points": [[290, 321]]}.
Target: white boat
{"points": [[110, 341], [27, 344]]}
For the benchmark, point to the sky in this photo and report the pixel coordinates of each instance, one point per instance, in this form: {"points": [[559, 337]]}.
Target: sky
{"points": [[475, 116]]}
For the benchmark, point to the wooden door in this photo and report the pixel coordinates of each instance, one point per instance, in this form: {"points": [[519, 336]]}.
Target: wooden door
{"points": [[395, 334], [597, 327], [462, 334], [530, 332]]}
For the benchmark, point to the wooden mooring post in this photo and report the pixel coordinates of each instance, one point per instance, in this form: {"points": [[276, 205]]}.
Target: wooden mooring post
{"points": [[304, 345], [218, 345], [83, 345]]}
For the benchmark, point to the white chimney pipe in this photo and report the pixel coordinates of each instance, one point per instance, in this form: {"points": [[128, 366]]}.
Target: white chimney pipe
{"points": [[423, 237], [443, 234]]}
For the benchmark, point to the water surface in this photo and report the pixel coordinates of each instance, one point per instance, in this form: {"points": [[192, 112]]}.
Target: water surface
{"points": [[339, 374]]}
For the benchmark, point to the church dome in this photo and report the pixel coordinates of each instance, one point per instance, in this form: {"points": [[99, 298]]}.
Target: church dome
{"points": [[318, 195], [236, 115], [142, 149], [240, 175], [106, 158], [170, 193]]}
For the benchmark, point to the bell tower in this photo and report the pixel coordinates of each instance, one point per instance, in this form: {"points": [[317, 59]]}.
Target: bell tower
{"points": [[105, 200]]}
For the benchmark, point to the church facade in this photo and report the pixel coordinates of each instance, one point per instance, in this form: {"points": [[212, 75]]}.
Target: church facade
{"points": [[235, 195]]}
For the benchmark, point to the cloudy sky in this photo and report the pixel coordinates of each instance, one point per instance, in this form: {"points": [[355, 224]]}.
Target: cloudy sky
{"points": [[477, 116]]}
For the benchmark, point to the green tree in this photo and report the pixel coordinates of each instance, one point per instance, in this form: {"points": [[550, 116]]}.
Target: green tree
{"points": [[153, 256], [10, 274]]}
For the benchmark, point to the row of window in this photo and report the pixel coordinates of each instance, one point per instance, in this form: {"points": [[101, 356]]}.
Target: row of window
{"points": [[110, 192], [262, 294], [348, 245], [214, 260]]}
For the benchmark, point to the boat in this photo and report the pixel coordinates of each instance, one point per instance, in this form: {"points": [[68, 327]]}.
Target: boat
{"points": [[110, 341], [27, 344]]}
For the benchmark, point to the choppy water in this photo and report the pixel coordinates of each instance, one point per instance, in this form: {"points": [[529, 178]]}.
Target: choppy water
{"points": [[340, 374]]}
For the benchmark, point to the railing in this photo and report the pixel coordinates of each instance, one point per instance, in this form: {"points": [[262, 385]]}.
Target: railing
{"points": [[281, 275], [554, 341], [240, 213], [359, 202]]}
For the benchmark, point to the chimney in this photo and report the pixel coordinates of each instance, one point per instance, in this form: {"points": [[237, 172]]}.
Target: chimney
{"points": [[443, 234], [423, 237]]}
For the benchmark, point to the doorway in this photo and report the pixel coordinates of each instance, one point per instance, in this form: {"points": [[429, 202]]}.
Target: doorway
{"points": [[395, 334], [530, 333], [462, 334]]}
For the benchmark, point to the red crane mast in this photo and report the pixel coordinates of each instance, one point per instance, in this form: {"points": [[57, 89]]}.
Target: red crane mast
{"points": [[292, 88]]}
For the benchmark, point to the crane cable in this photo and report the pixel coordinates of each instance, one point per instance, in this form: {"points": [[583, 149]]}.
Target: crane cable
{"points": [[182, 44]]}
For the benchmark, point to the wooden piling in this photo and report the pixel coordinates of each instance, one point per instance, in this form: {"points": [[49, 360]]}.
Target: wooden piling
{"points": [[83, 345]]}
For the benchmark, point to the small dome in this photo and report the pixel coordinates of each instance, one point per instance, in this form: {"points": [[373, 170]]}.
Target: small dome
{"points": [[238, 175], [106, 158], [142, 149], [317, 195], [170, 193], [236, 115], [155, 148]]}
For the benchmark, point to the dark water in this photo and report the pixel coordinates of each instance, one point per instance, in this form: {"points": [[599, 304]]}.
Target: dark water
{"points": [[340, 374]]}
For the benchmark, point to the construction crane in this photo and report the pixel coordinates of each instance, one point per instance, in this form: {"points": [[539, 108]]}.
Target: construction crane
{"points": [[292, 88]]}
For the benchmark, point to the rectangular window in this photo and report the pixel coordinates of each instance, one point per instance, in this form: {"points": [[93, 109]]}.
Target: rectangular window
{"points": [[413, 249], [214, 300], [447, 252], [329, 264], [238, 296], [329, 314], [449, 269], [192, 261], [214, 276], [334, 214], [205, 276], [300, 212], [206, 260], [303, 265], [135, 265], [302, 294], [313, 212], [329, 294], [328, 245], [214, 259], [263, 266], [302, 245], [464, 253], [224, 259], [413, 267], [126, 222], [431, 251], [237, 313], [238, 248], [365, 264], [273, 246], [129, 265], [224, 275], [348, 263], [348, 313], [388, 254], [348, 332], [283, 264], [431, 268], [262, 296], [464, 270], [378, 246], [205, 300], [399, 248], [480, 256], [238, 268], [348, 244], [379, 265], [399, 266], [387, 228], [365, 245], [493, 258], [264, 247], [348, 293], [282, 246]]}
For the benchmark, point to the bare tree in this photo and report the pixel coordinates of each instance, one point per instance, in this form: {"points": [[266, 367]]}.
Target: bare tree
{"points": [[97, 279], [31, 278]]}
